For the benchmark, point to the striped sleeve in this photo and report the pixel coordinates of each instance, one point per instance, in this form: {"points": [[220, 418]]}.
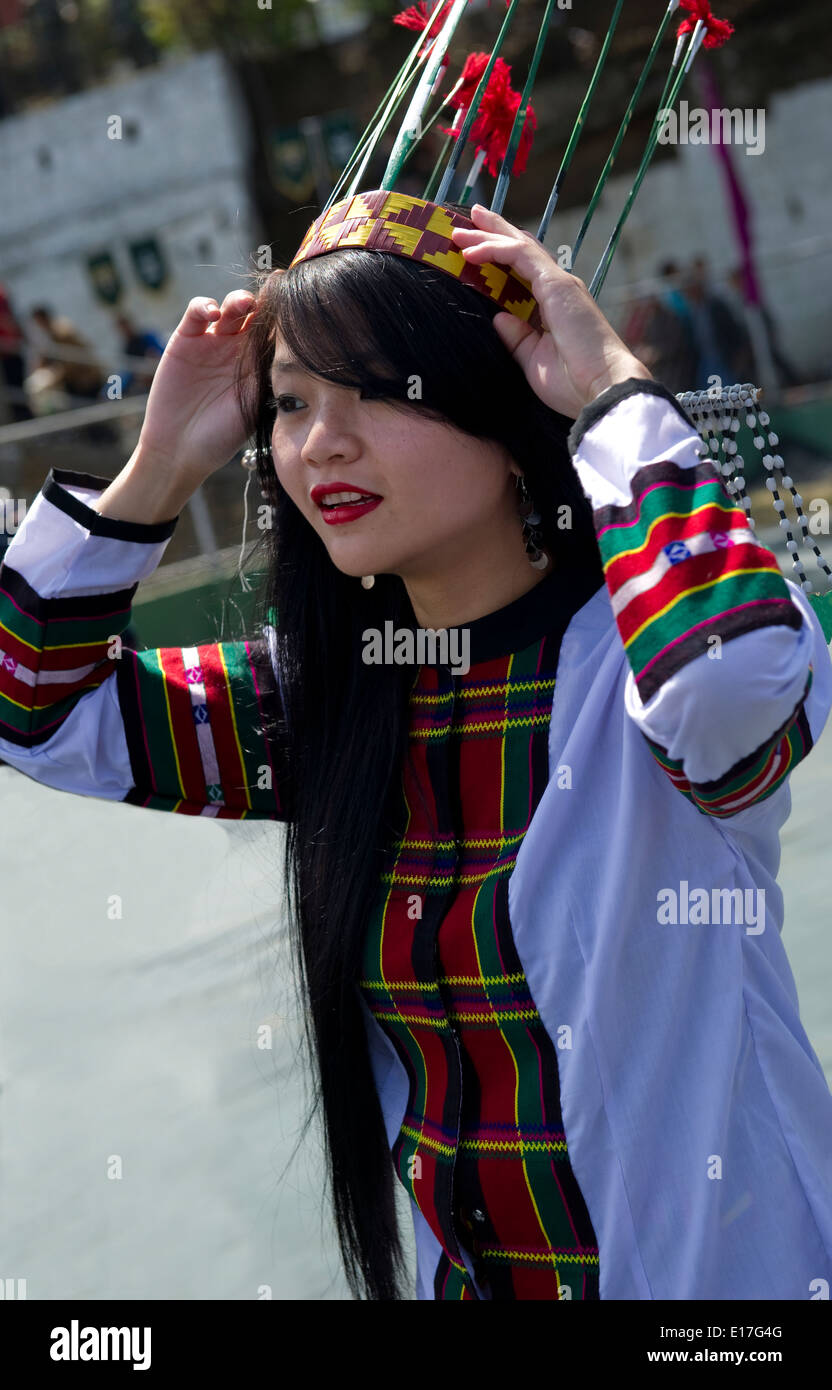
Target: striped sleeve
{"points": [[52, 651], [729, 676], [195, 720], [191, 730]]}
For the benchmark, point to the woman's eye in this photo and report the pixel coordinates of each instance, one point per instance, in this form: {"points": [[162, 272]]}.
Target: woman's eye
{"points": [[286, 404]]}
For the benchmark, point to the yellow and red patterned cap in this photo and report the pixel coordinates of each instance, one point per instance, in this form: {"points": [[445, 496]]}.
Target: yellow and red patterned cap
{"points": [[408, 226]]}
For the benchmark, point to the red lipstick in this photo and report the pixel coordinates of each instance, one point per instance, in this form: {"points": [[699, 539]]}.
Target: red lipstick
{"points": [[340, 502]]}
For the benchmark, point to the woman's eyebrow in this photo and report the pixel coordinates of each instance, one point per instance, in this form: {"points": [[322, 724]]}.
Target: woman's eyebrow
{"points": [[287, 364]]}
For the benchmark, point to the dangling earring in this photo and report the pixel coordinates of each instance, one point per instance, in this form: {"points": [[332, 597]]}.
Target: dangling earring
{"points": [[531, 518], [249, 462], [368, 581]]}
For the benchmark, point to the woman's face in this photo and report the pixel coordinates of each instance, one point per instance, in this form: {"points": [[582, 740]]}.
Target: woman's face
{"points": [[430, 491]]}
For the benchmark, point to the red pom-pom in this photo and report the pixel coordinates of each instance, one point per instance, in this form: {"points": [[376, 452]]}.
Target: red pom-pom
{"points": [[469, 80], [717, 31], [499, 104], [491, 131], [416, 17]]}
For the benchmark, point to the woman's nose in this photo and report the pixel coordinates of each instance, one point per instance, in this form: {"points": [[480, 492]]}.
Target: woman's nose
{"points": [[329, 440]]}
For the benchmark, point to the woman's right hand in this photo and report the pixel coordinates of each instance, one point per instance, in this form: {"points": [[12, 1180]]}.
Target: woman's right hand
{"points": [[192, 422]]}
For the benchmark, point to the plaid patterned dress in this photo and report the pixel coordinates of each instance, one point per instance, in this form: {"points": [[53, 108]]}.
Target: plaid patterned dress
{"points": [[481, 1147]]}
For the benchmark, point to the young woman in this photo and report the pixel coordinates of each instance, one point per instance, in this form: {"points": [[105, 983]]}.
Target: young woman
{"points": [[534, 891]]}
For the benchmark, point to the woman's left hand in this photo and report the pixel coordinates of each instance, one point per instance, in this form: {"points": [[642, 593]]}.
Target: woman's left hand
{"points": [[580, 354]]}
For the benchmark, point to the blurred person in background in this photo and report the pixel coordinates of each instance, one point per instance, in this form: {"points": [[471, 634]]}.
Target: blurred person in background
{"points": [[77, 378], [745, 361], [660, 333], [138, 342], [71, 375], [718, 333], [12, 363]]}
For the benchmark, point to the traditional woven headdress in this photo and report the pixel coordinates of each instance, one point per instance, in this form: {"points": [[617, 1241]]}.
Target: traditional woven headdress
{"points": [[498, 123], [412, 227]]}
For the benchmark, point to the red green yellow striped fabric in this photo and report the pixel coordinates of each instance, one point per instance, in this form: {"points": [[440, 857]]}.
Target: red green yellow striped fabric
{"points": [[195, 719], [682, 566], [52, 651], [481, 1149]]}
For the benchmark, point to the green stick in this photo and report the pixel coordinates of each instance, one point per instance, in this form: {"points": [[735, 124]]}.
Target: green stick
{"points": [[472, 176], [680, 43], [470, 116], [441, 107], [433, 181], [623, 128], [410, 129], [604, 264], [386, 117], [520, 119], [579, 125], [357, 152], [432, 122]]}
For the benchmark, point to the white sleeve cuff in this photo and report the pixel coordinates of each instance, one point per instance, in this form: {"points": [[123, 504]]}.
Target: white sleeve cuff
{"points": [[64, 548], [628, 428], [715, 712]]}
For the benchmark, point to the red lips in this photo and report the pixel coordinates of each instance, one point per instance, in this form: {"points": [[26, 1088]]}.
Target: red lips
{"points": [[322, 490], [355, 502]]}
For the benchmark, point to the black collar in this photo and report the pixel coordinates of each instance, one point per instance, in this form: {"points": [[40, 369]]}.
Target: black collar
{"points": [[546, 608]]}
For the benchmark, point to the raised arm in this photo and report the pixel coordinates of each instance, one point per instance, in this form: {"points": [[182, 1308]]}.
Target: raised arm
{"points": [[176, 729], [196, 729], [730, 673]]}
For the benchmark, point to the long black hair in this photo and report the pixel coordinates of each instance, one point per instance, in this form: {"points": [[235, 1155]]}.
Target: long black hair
{"points": [[371, 322]]}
